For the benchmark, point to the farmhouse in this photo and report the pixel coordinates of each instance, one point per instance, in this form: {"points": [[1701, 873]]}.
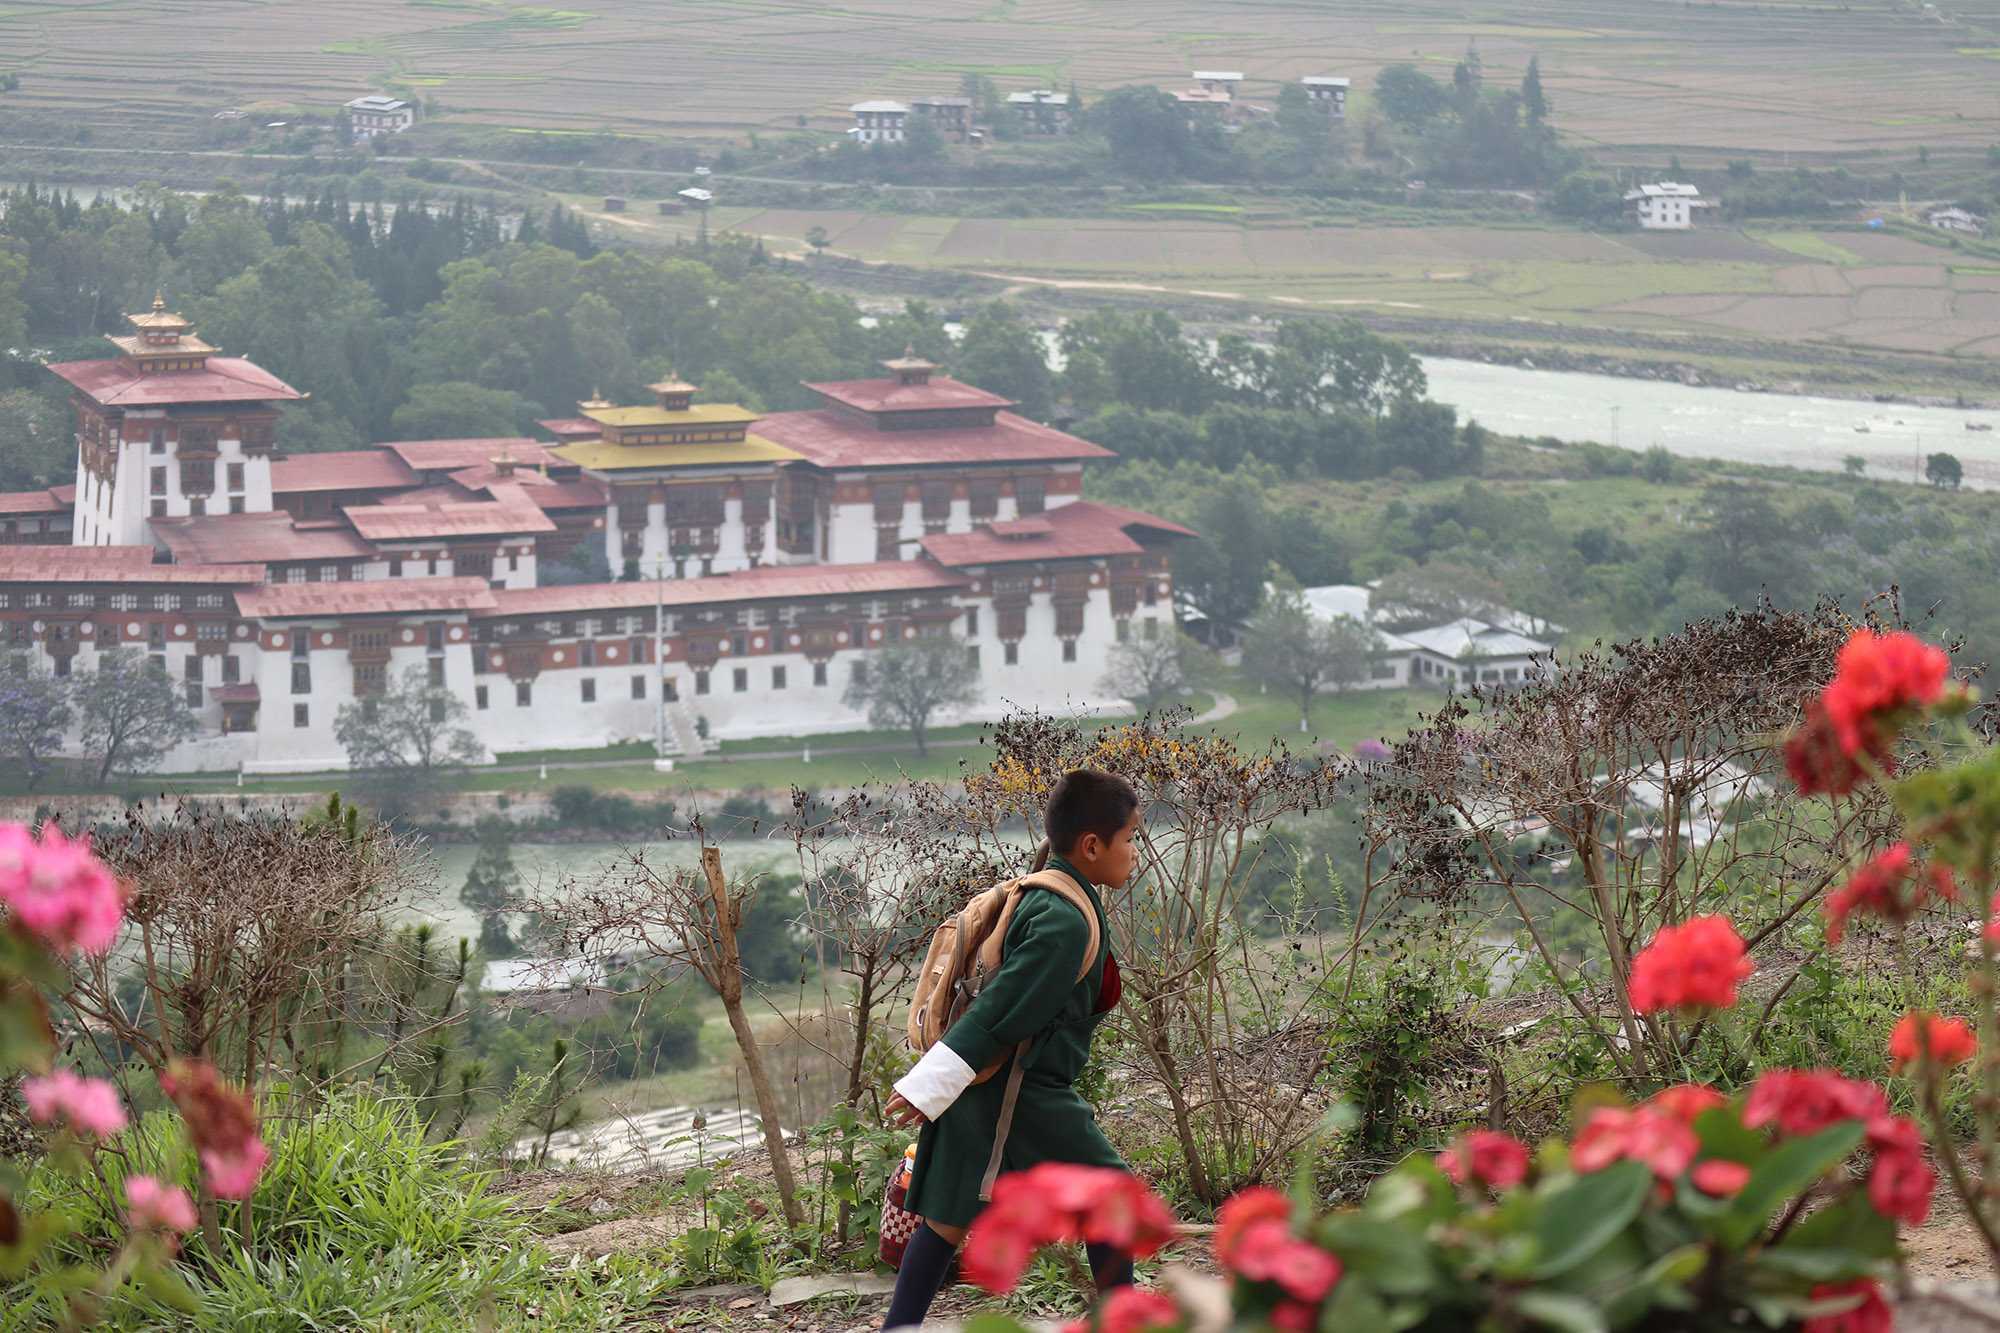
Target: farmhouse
{"points": [[761, 556], [1219, 80], [1328, 93], [879, 121], [1492, 651], [1041, 110], [373, 115], [1663, 206], [1957, 219], [951, 115]]}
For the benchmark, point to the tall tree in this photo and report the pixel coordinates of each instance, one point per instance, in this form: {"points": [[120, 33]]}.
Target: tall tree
{"points": [[1289, 647], [34, 715], [133, 713], [404, 739], [1223, 574], [1408, 96], [905, 684], [1152, 670], [1535, 103], [454, 410], [1435, 594], [490, 886], [1002, 355], [1146, 130]]}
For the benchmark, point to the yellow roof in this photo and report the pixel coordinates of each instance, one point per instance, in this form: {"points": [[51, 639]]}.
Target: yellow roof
{"points": [[698, 414], [598, 456]]}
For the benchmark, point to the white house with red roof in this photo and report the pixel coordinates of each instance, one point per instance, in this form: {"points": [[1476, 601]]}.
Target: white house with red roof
{"points": [[761, 557]]}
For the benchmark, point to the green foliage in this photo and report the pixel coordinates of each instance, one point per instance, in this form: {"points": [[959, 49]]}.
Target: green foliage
{"points": [[903, 685], [455, 410], [490, 885], [1145, 129], [1408, 96], [1002, 355]]}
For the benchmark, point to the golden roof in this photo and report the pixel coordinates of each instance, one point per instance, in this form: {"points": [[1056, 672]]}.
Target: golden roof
{"points": [[599, 456], [159, 319], [697, 414]]}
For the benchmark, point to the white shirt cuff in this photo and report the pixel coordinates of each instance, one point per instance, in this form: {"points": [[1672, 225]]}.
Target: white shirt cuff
{"points": [[934, 1084]]}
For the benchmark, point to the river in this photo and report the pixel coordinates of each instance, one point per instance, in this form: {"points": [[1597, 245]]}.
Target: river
{"points": [[1784, 429]]}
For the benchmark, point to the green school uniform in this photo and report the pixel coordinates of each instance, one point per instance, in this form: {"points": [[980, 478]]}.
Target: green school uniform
{"points": [[1031, 996]]}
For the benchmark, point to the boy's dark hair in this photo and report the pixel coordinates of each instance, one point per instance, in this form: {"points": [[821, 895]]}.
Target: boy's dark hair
{"points": [[1088, 800]]}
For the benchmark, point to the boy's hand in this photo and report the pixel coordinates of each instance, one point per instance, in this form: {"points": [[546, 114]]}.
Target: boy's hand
{"points": [[900, 1112]]}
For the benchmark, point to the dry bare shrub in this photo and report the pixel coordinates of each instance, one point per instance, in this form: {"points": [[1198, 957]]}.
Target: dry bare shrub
{"points": [[263, 944], [1639, 785]]}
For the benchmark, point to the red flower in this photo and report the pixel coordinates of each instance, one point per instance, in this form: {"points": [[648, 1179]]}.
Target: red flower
{"points": [[1805, 1101], [1925, 1040], [1723, 1179], [1901, 1185], [1486, 1157], [1877, 679], [1127, 1216], [1888, 886], [1131, 1310], [1894, 1133], [1695, 965], [1870, 1314], [1256, 1204], [223, 1124], [1293, 1317], [1267, 1251], [1817, 763], [1642, 1134], [1055, 1202], [1686, 1101]]}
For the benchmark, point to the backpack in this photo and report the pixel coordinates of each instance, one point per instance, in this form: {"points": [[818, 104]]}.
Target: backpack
{"points": [[963, 957]]}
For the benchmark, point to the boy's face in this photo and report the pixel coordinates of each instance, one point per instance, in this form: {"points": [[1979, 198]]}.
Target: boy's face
{"points": [[1109, 863]]}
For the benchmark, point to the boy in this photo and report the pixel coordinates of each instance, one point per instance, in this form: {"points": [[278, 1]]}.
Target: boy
{"points": [[1092, 820]]}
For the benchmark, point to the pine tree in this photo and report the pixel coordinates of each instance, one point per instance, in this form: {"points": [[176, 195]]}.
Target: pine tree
{"points": [[1533, 101], [490, 885]]}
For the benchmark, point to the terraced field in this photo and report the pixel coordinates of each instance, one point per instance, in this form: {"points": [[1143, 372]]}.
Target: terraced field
{"points": [[1862, 288], [1624, 74]]}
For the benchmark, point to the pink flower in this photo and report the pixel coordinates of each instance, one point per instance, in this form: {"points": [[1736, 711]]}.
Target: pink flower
{"points": [[1695, 965], [1642, 1134], [1805, 1101], [1871, 1314], [1723, 1179], [1686, 1101], [89, 1105], [1486, 1157], [1257, 1204], [58, 890], [1901, 1186], [223, 1124], [1293, 1317], [1268, 1252], [152, 1206], [1127, 1216], [1132, 1310], [1894, 1133]]}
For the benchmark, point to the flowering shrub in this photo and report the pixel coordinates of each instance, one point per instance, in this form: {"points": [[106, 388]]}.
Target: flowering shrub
{"points": [[1886, 684], [1760, 1210], [57, 898]]}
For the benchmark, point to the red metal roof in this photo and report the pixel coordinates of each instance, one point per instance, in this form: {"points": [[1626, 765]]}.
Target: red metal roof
{"points": [[227, 379], [277, 601], [110, 564], [1136, 518], [542, 491], [65, 493], [221, 539], [1072, 531], [235, 694], [507, 514], [894, 396], [765, 583], [428, 455], [566, 429], [346, 470], [33, 502], [832, 441]]}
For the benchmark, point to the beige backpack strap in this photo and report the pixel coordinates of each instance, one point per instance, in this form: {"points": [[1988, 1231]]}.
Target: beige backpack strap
{"points": [[1006, 1122]]}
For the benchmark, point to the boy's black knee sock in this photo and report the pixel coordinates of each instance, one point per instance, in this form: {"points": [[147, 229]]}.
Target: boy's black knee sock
{"points": [[1109, 1267], [918, 1277]]}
